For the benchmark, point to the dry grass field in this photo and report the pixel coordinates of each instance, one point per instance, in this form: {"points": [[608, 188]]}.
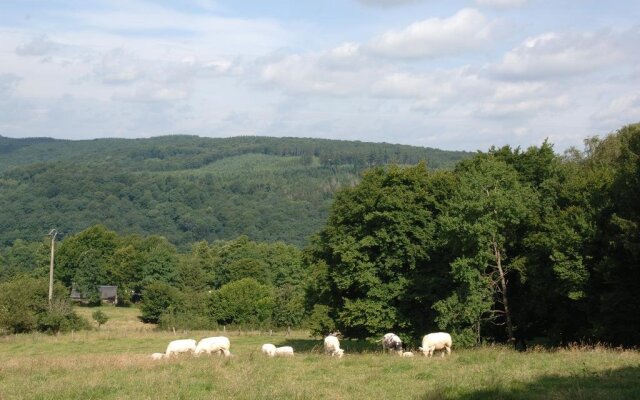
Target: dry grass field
{"points": [[114, 363]]}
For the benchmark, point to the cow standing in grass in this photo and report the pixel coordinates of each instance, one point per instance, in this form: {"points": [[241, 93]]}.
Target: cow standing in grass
{"points": [[436, 341], [332, 346], [284, 351], [269, 349], [392, 342], [214, 344], [180, 346]]}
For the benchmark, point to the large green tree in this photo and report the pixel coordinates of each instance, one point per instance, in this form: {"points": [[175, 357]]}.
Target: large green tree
{"points": [[91, 249], [482, 222], [245, 302], [376, 244]]}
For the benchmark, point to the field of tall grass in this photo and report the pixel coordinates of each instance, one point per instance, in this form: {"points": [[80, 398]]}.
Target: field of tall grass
{"points": [[114, 363]]}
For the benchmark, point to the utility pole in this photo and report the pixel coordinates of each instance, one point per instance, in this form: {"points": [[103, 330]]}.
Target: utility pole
{"points": [[53, 234]]}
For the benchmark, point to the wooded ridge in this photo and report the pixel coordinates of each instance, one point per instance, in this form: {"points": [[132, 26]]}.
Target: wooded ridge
{"points": [[186, 188]]}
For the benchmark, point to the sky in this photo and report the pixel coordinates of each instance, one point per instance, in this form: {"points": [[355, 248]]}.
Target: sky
{"points": [[455, 74]]}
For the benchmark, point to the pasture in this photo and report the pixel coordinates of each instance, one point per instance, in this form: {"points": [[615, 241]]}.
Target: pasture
{"points": [[114, 363]]}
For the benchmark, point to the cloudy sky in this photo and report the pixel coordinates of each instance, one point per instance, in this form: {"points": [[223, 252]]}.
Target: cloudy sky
{"points": [[447, 74]]}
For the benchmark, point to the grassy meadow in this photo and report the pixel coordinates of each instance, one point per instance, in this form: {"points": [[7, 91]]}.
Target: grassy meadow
{"points": [[114, 363]]}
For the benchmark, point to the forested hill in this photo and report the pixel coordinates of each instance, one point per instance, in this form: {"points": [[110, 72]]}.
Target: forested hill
{"points": [[186, 188]]}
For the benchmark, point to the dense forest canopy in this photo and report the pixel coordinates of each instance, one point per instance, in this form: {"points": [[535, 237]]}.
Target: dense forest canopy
{"points": [[510, 245], [226, 282], [185, 188]]}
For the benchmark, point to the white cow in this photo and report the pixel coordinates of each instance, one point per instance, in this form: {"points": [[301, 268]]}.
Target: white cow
{"points": [[180, 346], [436, 341], [269, 349], [214, 344], [284, 351], [392, 342], [407, 354], [157, 356], [332, 346]]}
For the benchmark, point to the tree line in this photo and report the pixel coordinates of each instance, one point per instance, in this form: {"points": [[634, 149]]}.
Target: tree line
{"points": [[511, 245], [185, 187], [237, 282]]}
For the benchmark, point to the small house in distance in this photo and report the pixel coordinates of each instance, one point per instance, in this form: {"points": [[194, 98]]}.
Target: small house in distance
{"points": [[108, 294]]}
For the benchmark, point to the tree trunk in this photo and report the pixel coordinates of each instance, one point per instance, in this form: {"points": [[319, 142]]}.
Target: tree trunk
{"points": [[503, 290]]}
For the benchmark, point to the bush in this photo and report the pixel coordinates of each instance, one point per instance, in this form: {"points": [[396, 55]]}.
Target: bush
{"points": [[157, 297], [100, 317], [185, 320], [464, 338], [244, 302], [24, 307], [94, 299], [319, 322], [124, 297], [289, 306], [190, 312], [61, 318]]}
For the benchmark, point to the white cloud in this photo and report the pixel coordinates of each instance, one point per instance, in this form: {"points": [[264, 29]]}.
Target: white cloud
{"points": [[8, 82], [337, 72], [38, 46], [619, 111], [501, 3], [522, 107], [154, 92], [403, 84], [141, 69], [467, 30], [553, 55], [144, 23], [117, 67], [435, 89], [219, 66], [388, 3]]}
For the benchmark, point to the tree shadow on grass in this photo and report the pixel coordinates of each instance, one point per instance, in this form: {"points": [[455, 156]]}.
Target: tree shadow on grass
{"points": [[317, 345], [614, 384]]}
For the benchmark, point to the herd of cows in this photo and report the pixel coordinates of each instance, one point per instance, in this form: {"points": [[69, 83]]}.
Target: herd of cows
{"points": [[439, 341]]}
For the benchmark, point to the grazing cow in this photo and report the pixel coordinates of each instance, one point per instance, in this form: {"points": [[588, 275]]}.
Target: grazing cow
{"points": [[392, 342], [407, 354], [180, 346], [157, 356], [214, 344], [332, 346], [436, 341], [284, 351], [269, 349]]}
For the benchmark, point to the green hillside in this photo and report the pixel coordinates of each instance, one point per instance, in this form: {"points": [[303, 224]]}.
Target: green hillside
{"points": [[186, 188]]}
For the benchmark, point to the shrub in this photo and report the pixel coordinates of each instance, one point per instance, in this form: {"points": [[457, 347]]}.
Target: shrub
{"points": [[100, 317], [244, 302], [124, 297], [157, 297], [185, 320], [319, 322], [24, 307]]}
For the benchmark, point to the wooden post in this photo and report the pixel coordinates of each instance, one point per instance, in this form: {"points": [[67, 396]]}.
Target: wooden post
{"points": [[53, 234]]}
